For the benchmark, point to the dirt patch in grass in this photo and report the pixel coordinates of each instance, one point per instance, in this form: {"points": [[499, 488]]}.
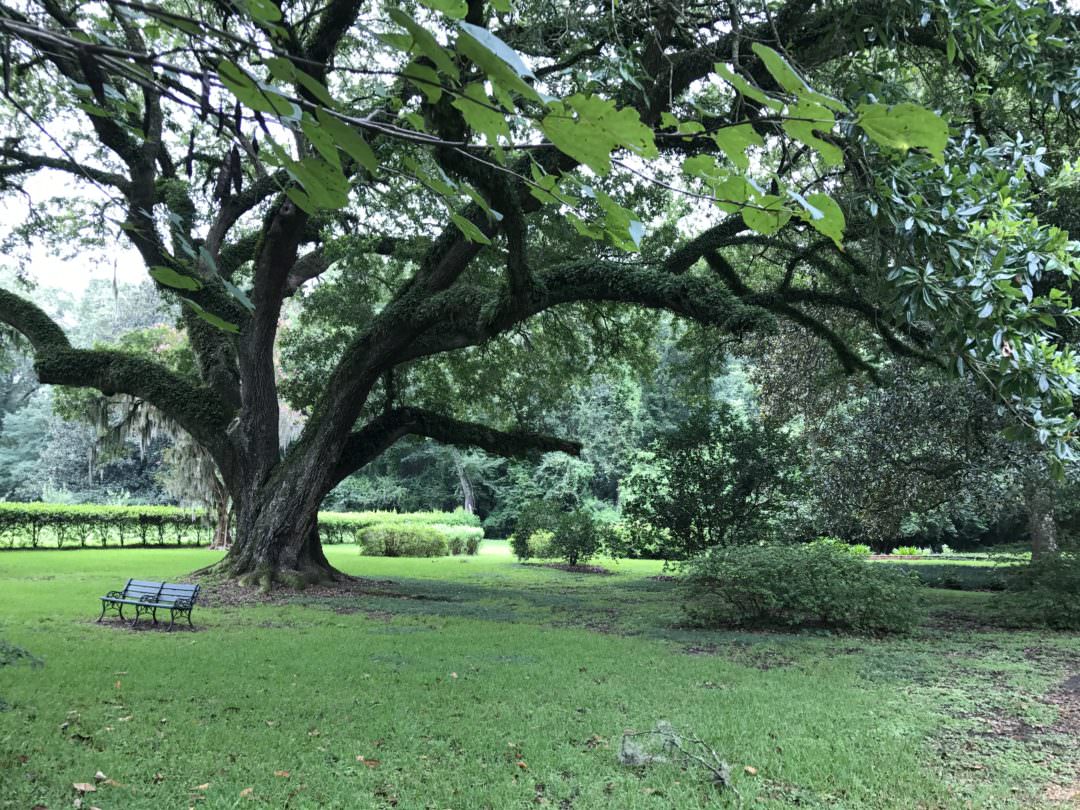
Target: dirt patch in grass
{"points": [[146, 625], [579, 569], [230, 594]]}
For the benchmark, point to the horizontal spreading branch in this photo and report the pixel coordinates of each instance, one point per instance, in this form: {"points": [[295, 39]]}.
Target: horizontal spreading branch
{"points": [[194, 407], [379, 434]]}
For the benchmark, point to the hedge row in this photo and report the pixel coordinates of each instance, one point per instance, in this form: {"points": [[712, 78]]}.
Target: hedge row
{"points": [[46, 525]]}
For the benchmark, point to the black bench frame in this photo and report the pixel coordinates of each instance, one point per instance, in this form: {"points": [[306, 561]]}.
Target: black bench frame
{"points": [[148, 597]]}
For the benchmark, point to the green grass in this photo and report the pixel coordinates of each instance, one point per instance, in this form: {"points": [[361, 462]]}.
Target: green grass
{"points": [[481, 683]]}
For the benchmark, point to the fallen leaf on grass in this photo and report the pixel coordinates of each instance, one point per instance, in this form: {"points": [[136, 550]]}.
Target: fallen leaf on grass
{"points": [[84, 787], [100, 777], [453, 675], [371, 763], [284, 774], [124, 719], [750, 769], [522, 764], [118, 684], [203, 786], [159, 777], [246, 792]]}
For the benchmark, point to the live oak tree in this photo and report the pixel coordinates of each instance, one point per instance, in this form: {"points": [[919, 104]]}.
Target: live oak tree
{"points": [[438, 154]]}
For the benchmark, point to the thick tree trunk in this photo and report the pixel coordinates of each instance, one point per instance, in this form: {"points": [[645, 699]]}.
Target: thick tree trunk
{"points": [[1038, 495], [277, 531]]}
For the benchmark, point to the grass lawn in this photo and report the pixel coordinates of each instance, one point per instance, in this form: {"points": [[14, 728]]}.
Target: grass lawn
{"points": [[482, 683]]}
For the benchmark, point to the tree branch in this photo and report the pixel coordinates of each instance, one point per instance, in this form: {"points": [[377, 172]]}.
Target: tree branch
{"points": [[374, 438]]}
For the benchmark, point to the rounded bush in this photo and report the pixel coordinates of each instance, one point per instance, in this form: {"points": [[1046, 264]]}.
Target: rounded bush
{"points": [[811, 585], [1044, 593]]}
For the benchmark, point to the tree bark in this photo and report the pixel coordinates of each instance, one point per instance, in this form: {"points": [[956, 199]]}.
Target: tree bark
{"points": [[1042, 527]]}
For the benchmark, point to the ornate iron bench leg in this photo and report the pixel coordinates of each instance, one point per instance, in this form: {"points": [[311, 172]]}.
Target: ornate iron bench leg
{"points": [[102, 616], [121, 612], [172, 617]]}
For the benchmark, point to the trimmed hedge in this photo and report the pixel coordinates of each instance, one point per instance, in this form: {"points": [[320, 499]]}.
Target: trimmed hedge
{"points": [[402, 540], [37, 525], [418, 540], [47, 525]]}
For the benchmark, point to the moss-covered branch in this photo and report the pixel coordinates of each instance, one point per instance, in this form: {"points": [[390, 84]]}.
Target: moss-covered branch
{"points": [[367, 443], [196, 408], [31, 321]]}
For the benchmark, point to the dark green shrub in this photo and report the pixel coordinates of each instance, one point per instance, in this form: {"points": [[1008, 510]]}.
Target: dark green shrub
{"points": [[472, 545], [1044, 593], [537, 546], [959, 577], [456, 544], [719, 479], [535, 516], [799, 586], [577, 537], [402, 540]]}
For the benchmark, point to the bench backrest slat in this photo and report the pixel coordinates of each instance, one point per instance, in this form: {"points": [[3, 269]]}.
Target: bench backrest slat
{"points": [[137, 588]]}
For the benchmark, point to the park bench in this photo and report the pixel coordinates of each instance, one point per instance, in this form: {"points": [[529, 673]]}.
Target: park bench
{"points": [[149, 597]]}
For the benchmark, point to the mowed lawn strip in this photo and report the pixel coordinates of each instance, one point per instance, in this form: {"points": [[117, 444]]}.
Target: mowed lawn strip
{"points": [[478, 682]]}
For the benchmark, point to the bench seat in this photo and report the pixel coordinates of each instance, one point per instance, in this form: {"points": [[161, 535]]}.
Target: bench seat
{"points": [[148, 597]]}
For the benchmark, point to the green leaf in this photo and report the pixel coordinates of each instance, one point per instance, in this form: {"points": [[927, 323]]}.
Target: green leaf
{"points": [[315, 87], [170, 278], [255, 95], [423, 40], [792, 82], [817, 119], [502, 64], [734, 141], [425, 79], [768, 221], [212, 319], [454, 9], [621, 226], [321, 140], [831, 223], [238, 294], [904, 127], [349, 139], [324, 184], [263, 11], [589, 128], [479, 113], [743, 87], [468, 227]]}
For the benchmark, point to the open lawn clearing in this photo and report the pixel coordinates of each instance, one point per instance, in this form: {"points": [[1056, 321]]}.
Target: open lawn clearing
{"points": [[477, 682]]}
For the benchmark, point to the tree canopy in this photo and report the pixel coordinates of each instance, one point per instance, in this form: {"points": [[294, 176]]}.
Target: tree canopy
{"points": [[455, 173]]}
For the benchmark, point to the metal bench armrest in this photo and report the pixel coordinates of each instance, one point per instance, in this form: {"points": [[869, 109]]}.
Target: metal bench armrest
{"points": [[182, 604], [114, 595]]}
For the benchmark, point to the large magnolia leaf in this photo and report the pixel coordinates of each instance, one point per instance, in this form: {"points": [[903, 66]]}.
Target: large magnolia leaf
{"points": [[170, 278], [734, 141], [502, 64], [831, 221], [480, 113], [768, 216], [807, 119], [904, 127], [424, 42], [787, 78], [589, 128]]}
